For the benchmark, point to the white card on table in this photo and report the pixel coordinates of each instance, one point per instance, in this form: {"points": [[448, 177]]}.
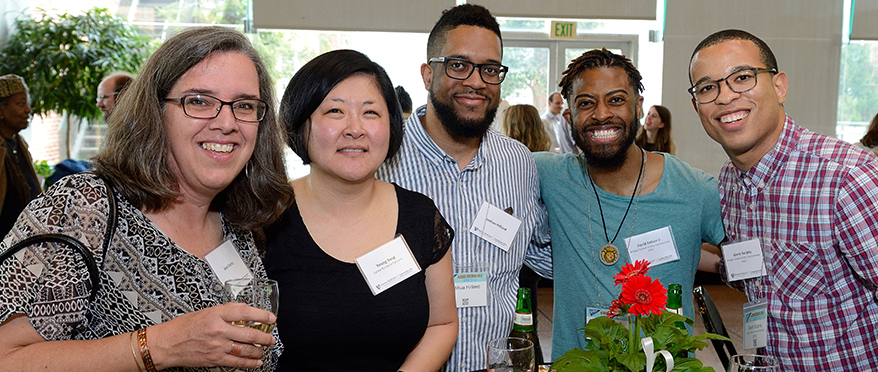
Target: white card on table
{"points": [[388, 265], [743, 260], [495, 226], [227, 263], [656, 247], [471, 289]]}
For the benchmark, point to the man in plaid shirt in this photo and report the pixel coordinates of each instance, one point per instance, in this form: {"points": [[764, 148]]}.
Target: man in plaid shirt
{"points": [[809, 199]]}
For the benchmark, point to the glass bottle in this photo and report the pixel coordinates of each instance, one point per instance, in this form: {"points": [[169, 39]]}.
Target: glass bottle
{"points": [[523, 324], [675, 302]]}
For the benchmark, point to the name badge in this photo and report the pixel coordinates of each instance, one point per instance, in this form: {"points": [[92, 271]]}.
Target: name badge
{"points": [[656, 247], [743, 260], [755, 324], [388, 265], [495, 226], [226, 262], [471, 289]]}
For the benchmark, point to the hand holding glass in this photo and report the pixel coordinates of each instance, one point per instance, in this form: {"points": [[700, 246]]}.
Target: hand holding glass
{"points": [[511, 354], [753, 363], [259, 293]]}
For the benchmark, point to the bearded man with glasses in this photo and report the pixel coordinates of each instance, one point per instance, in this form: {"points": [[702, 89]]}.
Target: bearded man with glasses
{"points": [[804, 200], [474, 175]]}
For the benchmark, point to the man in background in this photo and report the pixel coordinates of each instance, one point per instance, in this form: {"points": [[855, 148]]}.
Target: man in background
{"points": [[552, 118], [110, 90], [804, 202], [484, 184]]}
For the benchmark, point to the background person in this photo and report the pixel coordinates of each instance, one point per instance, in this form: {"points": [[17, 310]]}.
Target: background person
{"points": [[870, 139], [342, 118], [807, 200], [405, 101], [110, 91], [523, 123], [552, 119], [656, 132], [18, 179], [182, 192]]}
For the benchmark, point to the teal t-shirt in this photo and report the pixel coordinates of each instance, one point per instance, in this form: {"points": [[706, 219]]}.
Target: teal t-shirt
{"points": [[686, 199]]}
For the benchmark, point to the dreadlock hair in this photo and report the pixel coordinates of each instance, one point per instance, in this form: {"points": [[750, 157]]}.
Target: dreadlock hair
{"points": [[594, 59]]}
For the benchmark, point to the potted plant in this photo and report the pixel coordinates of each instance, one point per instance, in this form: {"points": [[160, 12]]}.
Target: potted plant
{"points": [[613, 346]]}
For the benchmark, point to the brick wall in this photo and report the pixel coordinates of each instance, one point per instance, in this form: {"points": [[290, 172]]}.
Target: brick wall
{"points": [[44, 138]]}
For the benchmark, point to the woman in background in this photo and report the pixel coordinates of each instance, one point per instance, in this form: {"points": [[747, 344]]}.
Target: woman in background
{"points": [[342, 118], [870, 140], [523, 123], [18, 180], [656, 132]]}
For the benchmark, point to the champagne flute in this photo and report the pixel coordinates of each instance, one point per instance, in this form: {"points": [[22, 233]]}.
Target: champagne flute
{"points": [[259, 293], [753, 363], [511, 354]]}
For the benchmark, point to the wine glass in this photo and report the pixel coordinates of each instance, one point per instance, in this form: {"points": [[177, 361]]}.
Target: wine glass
{"points": [[259, 293], [753, 363], [511, 354]]}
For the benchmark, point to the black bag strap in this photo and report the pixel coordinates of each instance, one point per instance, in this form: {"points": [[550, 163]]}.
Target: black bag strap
{"points": [[77, 246]]}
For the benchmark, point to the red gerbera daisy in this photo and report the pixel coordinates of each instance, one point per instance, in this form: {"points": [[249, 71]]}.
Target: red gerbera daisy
{"points": [[645, 295], [640, 268]]}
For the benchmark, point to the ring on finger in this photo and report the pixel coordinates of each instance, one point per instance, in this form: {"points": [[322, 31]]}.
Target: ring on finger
{"points": [[236, 348]]}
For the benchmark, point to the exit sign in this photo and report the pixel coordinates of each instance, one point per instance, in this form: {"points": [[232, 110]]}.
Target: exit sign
{"points": [[563, 30]]}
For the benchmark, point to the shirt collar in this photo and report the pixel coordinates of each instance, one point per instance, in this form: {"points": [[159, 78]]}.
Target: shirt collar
{"points": [[772, 162]]}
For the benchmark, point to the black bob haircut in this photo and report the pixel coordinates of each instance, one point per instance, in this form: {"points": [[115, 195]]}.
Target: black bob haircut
{"points": [[310, 85]]}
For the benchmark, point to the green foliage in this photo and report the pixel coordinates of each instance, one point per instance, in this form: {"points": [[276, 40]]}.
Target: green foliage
{"points": [[64, 58], [43, 168], [609, 348], [858, 96]]}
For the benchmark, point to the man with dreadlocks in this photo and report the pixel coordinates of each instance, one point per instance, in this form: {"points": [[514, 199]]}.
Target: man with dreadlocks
{"points": [[616, 203]]}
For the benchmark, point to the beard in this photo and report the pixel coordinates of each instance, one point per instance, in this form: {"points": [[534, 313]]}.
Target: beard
{"points": [[460, 126], [606, 156]]}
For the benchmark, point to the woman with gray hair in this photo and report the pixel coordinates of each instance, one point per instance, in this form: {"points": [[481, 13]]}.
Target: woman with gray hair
{"points": [[189, 178], [18, 180]]}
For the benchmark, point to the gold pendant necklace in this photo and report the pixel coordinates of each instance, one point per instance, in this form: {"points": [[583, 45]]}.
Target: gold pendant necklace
{"points": [[609, 253]]}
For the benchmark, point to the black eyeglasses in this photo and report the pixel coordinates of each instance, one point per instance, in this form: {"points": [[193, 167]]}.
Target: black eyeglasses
{"points": [[461, 69], [202, 106], [102, 97], [738, 81]]}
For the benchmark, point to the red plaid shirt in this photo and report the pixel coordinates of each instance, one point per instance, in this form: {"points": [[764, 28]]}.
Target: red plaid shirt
{"points": [[812, 202]]}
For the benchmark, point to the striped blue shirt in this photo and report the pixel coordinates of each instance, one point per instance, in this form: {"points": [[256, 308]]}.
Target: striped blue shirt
{"points": [[504, 174]]}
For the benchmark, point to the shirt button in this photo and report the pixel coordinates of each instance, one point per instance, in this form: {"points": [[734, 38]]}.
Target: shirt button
{"points": [[752, 207], [761, 185], [462, 319]]}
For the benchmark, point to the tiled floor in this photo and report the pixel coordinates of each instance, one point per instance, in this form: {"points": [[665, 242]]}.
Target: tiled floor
{"points": [[727, 300]]}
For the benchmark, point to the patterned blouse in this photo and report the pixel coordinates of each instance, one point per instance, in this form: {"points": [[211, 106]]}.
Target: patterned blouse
{"points": [[145, 278]]}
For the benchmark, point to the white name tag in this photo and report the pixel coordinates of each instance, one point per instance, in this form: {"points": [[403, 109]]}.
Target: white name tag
{"points": [[227, 263], [388, 265], [471, 289], [755, 324], [495, 226], [656, 246], [743, 260]]}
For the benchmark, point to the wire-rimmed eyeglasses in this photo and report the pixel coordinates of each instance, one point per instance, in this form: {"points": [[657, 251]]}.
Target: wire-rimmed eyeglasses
{"points": [[102, 97], [461, 69], [203, 106], [739, 82]]}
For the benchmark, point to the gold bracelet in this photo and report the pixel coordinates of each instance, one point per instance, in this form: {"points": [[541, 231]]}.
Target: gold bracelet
{"points": [[144, 351], [133, 353]]}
